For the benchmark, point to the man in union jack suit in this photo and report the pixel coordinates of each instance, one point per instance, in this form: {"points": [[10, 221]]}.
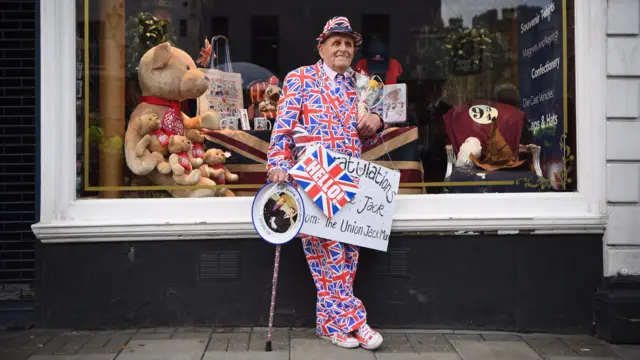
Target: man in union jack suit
{"points": [[319, 105]]}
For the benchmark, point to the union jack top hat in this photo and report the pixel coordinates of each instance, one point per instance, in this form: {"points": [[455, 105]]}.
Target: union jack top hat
{"points": [[339, 24]]}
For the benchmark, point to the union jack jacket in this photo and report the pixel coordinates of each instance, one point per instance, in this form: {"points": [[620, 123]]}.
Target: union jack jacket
{"points": [[311, 111]]}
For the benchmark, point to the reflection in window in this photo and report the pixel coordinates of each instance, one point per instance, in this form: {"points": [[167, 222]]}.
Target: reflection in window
{"points": [[487, 104]]}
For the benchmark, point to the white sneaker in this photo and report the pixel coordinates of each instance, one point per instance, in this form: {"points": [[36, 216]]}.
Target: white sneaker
{"points": [[342, 340], [368, 338]]}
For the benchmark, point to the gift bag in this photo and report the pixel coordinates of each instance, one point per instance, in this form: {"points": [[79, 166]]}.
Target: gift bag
{"points": [[224, 95]]}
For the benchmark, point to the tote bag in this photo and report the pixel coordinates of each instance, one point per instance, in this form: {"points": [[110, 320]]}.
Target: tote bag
{"points": [[224, 94]]}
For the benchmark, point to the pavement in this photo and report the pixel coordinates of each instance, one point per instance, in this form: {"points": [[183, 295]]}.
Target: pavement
{"points": [[204, 343]]}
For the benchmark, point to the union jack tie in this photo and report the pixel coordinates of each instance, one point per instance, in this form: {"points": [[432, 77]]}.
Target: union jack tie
{"points": [[338, 88]]}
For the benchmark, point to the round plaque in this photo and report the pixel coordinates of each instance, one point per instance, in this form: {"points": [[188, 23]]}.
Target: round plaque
{"points": [[277, 213]]}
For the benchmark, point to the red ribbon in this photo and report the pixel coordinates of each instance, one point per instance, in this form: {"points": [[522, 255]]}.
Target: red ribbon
{"points": [[172, 122], [222, 179], [197, 150], [184, 161]]}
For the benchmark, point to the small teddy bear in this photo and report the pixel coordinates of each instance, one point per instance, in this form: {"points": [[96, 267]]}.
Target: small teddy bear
{"points": [[180, 161], [214, 160], [197, 150], [271, 97], [470, 146], [149, 123], [214, 169]]}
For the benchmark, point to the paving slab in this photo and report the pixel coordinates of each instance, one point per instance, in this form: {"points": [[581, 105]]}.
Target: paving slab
{"points": [[14, 339], [304, 334], [494, 350], [627, 352], [151, 336], [126, 331], [114, 344], [548, 346], [395, 343], [73, 357], [73, 344], [434, 356], [164, 330], [246, 355], [588, 346], [173, 349], [15, 354], [99, 339], [430, 343], [232, 330], [190, 335], [582, 358], [307, 349], [279, 340], [501, 337], [467, 337], [194, 329], [229, 342]]}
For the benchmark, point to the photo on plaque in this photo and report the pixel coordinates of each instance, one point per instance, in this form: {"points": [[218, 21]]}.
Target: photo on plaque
{"points": [[278, 213]]}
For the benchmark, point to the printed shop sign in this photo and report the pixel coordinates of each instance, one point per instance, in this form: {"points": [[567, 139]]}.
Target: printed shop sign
{"points": [[360, 212]]}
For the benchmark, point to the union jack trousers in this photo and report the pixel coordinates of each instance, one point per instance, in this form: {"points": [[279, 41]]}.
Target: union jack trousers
{"points": [[333, 266], [311, 111]]}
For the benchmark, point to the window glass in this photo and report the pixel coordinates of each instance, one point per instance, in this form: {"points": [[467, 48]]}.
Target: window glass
{"points": [[479, 94]]}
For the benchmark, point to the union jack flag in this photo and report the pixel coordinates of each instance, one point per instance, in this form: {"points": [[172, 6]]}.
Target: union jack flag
{"points": [[205, 54], [334, 187]]}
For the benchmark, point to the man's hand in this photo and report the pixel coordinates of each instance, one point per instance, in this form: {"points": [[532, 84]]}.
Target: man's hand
{"points": [[278, 175], [368, 125]]}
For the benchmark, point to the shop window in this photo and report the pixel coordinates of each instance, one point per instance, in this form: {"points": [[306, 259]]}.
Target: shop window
{"points": [[482, 99], [485, 94]]}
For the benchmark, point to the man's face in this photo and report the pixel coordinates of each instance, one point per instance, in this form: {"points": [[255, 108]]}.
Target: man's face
{"points": [[281, 201], [337, 52]]}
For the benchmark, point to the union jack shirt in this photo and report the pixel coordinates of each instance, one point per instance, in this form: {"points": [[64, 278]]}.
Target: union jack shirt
{"points": [[311, 111]]}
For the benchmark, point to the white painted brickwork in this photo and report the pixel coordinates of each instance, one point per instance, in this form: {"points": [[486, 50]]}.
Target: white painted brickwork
{"points": [[623, 138]]}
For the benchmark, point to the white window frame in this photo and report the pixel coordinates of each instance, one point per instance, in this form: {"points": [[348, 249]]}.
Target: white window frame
{"points": [[65, 219]]}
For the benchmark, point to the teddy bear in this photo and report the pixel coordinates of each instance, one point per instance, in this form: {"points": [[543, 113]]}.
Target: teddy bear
{"points": [[147, 124], [167, 76], [271, 97], [180, 161], [197, 150], [470, 146], [213, 167]]}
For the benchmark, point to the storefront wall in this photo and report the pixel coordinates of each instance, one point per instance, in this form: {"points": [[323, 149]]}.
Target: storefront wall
{"points": [[623, 149], [524, 262], [618, 302]]}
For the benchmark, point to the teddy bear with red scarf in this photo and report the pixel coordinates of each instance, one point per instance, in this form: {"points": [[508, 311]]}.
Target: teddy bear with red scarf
{"points": [[167, 76]]}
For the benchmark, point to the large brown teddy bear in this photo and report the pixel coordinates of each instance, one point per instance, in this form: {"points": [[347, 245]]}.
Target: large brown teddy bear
{"points": [[167, 76]]}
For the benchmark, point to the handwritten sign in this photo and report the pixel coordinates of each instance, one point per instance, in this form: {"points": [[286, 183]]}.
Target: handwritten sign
{"points": [[365, 220]]}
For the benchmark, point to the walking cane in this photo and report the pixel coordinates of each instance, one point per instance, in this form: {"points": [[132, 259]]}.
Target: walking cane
{"points": [[263, 229], [274, 285]]}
